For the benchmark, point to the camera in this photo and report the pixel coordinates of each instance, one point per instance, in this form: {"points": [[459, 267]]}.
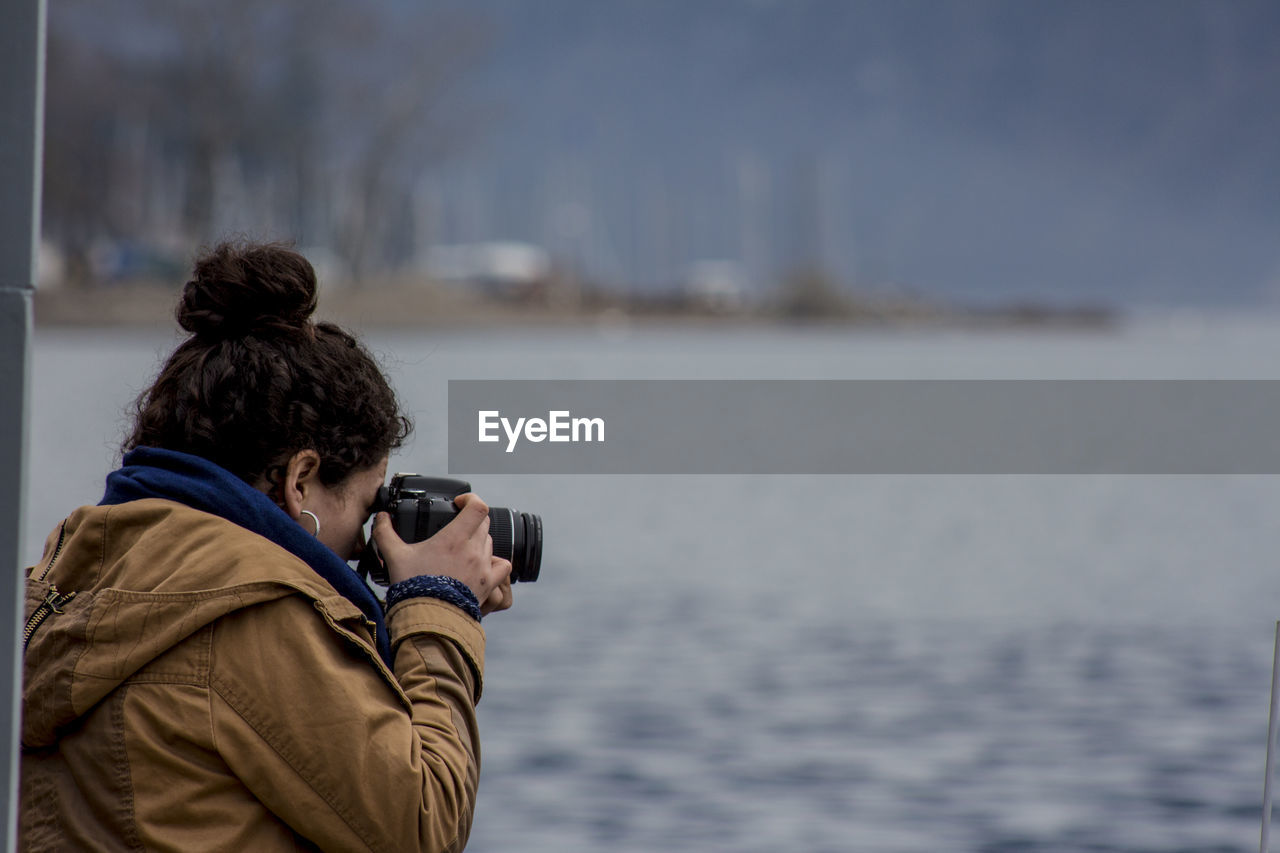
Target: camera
{"points": [[420, 506]]}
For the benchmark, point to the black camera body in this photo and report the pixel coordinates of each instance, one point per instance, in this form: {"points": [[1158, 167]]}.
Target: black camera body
{"points": [[420, 506]]}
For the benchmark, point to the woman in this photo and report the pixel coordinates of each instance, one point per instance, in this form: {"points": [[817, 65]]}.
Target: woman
{"points": [[203, 670]]}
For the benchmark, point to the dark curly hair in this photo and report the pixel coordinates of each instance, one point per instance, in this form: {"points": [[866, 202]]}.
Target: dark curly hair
{"points": [[257, 380]]}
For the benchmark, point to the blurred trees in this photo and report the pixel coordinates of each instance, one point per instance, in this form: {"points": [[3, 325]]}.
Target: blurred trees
{"points": [[175, 122]]}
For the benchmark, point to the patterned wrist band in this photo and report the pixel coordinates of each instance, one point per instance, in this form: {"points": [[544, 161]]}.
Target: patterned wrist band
{"points": [[448, 589]]}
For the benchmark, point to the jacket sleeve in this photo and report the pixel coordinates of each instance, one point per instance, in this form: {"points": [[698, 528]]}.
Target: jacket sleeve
{"points": [[330, 745]]}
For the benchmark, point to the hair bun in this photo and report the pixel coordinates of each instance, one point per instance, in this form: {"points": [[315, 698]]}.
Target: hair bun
{"points": [[236, 290]]}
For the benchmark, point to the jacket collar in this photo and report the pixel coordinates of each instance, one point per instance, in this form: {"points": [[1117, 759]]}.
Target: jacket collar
{"points": [[152, 472]]}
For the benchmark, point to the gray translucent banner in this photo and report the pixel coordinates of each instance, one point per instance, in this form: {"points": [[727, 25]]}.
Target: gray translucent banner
{"points": [[864, 427]]}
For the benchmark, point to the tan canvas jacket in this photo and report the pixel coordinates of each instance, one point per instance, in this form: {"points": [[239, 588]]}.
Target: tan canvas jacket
{"points": [[189, 685]]}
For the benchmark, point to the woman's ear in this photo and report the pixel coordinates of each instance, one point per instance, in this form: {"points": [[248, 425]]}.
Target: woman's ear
{"points": [[301, 476]]}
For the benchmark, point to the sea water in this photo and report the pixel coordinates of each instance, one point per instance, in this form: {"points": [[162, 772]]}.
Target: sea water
{"points": [[831, 663]]}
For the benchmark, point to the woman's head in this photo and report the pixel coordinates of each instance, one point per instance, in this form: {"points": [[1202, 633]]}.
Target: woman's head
{"points": [[257, 381]]}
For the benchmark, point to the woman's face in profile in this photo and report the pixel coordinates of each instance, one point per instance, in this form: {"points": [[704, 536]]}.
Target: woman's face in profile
{"points": [[343, 510]]}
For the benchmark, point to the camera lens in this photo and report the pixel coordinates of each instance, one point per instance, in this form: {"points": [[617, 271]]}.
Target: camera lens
{"points": [[517, 536], [530, 545]]}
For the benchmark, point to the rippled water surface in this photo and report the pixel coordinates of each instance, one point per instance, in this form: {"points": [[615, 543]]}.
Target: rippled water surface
{"points": [[834, 663]]}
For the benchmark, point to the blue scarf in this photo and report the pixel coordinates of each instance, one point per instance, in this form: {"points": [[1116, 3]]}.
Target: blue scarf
{"points": [[150, 472]]}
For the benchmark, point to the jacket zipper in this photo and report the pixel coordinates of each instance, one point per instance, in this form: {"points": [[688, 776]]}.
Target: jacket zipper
{"points": [[53, 603], [57, 549], [53, 600]]}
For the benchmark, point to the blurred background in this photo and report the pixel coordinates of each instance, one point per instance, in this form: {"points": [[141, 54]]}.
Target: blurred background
{"points": [[810, 156], [747, 189]]}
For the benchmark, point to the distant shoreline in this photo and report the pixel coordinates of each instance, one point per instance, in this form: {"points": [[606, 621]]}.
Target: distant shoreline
{"points": [[401, 305]]}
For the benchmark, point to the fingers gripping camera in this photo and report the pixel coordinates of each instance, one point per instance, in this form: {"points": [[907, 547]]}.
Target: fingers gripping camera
{"points": [[420, 506]]}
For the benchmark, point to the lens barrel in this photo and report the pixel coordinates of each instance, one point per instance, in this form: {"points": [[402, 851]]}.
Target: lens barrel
{"points": [[517, 536]]}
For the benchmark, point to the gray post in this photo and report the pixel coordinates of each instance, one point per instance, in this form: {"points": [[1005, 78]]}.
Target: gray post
{"points": [[22, 41]]}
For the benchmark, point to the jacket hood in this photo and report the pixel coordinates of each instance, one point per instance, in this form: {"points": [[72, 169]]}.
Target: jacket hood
{"points": [[118, 586], [155, 472]]}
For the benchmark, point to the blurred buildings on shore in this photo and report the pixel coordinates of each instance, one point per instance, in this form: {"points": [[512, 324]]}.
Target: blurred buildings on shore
{"points": [[726, 155]]}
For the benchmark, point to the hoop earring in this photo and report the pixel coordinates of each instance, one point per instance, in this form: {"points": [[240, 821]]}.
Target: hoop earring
{"points": [[313, 518]]}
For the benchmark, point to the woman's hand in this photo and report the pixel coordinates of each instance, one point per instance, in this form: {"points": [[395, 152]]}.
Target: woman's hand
{"points": [[463, 549]]}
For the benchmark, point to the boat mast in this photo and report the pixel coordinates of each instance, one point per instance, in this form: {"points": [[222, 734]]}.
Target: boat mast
{"points": [[22, 40]]}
